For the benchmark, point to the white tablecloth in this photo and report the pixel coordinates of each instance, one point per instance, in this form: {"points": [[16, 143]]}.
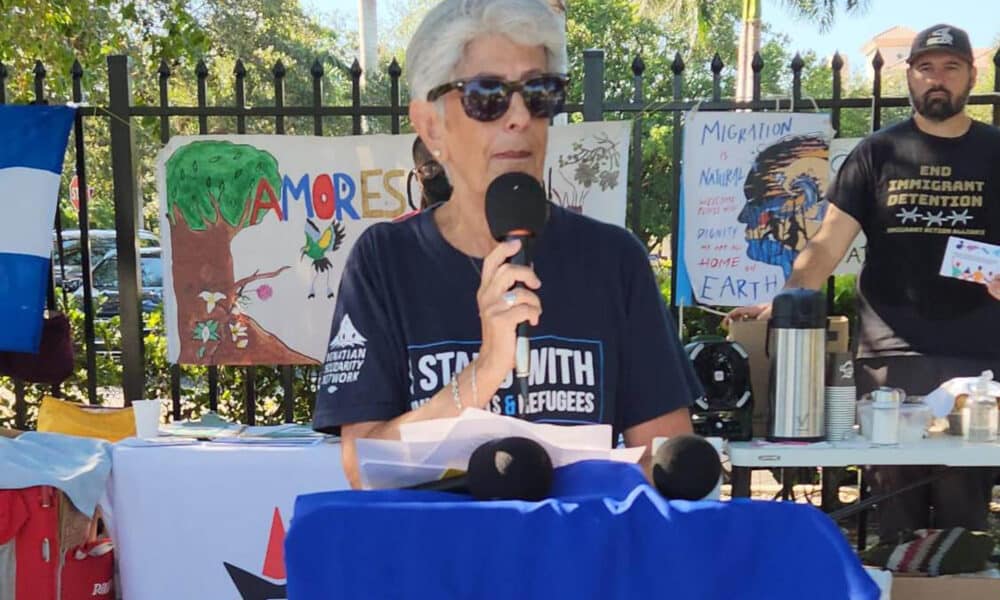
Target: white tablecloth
{"points": [[181, 512]]}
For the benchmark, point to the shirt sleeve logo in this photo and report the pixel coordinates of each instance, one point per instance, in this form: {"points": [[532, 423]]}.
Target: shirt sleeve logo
{"points": [[345, 356]]}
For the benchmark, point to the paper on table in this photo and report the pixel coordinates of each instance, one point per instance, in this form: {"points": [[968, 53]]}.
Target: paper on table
{"points": [[595, 436], [134, 442], [394, 450], [437, 429], [376, 474], [182, 430], [268, 441], [427, 448], [468, 434], [631, 455], [286, 430]]}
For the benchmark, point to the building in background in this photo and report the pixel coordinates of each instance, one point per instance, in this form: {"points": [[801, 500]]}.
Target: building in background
{"points": [[894, 45]]}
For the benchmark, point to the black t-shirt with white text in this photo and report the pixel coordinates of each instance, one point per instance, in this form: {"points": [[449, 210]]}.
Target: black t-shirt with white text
{"points": [[910, 191], [407, 322]]}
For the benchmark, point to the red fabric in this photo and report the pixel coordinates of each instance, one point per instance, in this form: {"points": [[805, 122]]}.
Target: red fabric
{"points": [[88, 573], [31, 518], [36, 545]]}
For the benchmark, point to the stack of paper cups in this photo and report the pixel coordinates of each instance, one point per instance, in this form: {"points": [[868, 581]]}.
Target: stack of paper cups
{"points": [[840, 396]]}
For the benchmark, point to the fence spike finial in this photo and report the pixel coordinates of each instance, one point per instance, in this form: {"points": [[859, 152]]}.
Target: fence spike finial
{"points": [[240, 69], [279, 69], [677, 66], [356, 69], [838, 61], [638, 66], [394, 68], [164, 69], [317, 69], [878, 62], [757, 64], [798, 63], [77, 69], [201, 69], [39, 69], [717, 64]]}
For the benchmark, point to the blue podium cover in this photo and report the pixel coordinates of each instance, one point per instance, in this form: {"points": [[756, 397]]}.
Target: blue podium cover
{"points": [[605, 533]]}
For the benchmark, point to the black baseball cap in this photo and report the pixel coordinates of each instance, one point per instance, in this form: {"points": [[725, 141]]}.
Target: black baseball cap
{"points": [[942, 37]]}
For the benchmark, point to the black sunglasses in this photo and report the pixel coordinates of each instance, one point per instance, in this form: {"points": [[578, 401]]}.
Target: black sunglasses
{"points": [[487, 98]]}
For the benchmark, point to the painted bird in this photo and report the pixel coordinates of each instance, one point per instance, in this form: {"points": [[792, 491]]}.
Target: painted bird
{"points": [[318, 243]]}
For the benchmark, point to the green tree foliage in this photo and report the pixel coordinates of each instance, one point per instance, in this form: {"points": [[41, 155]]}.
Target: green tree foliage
{"points": [[823, 13], [205, 187]]}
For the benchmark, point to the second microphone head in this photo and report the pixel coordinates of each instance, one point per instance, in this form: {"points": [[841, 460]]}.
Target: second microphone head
{"points": [[516, 204], [686, 467]]}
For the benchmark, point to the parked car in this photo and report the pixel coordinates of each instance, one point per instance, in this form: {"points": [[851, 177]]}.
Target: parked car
{"points": [[104, 278], [102, 241]]}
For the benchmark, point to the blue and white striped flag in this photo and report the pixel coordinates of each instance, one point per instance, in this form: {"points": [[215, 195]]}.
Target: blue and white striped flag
{"points": [[32, 146]]}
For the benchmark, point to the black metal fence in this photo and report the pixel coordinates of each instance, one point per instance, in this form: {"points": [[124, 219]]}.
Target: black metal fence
{"points": [[121, 111]]}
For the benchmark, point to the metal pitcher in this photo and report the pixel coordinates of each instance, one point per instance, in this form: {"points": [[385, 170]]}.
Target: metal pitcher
{"points": [[797, 349]]}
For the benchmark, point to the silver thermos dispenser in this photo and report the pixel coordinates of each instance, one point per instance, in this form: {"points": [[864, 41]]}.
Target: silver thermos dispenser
{"points": [[797, 350]]}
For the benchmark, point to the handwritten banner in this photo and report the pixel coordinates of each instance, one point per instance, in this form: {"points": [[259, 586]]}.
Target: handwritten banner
{"points": [[753, 193], [256, 229]]}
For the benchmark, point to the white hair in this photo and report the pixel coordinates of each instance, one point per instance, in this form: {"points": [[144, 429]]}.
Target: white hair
{"points": [[439, 43]]}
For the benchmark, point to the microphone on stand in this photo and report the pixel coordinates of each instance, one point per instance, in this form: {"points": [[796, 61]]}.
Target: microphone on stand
{"points": [[511, 468], [517, 209], [686, 467]]}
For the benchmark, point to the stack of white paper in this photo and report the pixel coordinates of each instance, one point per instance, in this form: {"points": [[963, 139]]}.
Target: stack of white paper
{"points": [[428, 449]]}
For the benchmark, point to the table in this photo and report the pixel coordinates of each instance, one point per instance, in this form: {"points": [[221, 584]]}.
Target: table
{"points": [[604, 533], [946, 450], [207, 520], [938, 449]]}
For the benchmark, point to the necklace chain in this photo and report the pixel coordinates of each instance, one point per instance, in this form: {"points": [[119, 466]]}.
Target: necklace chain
{"points": [[472, 261]]}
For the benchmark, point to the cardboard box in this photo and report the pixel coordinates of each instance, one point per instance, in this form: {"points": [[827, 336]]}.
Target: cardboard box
{"points": [[838, 334], [952, 587], [752, 335]]}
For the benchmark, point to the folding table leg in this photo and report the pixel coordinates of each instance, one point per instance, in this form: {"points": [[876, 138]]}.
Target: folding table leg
{"points": [[787, 491], [863, 515], [829, 489], [740, 479]]}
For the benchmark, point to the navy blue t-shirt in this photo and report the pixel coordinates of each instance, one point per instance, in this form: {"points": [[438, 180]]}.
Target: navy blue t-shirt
{"points": [[407, 321]]}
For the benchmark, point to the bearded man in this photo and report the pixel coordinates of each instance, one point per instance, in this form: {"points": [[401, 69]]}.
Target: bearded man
{"points": [[910, 187]]}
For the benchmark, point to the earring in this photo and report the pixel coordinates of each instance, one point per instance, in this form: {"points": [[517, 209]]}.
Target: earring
{"points": [[437, 154]]}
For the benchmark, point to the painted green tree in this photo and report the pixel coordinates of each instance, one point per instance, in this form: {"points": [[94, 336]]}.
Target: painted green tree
{"points": [[215, 189]]}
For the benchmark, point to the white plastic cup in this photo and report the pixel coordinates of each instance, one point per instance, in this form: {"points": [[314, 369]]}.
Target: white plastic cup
{"points": [[147, 418]]}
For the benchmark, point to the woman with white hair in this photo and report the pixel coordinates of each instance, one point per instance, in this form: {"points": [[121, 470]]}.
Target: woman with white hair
{"points": [[427, 310]]}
